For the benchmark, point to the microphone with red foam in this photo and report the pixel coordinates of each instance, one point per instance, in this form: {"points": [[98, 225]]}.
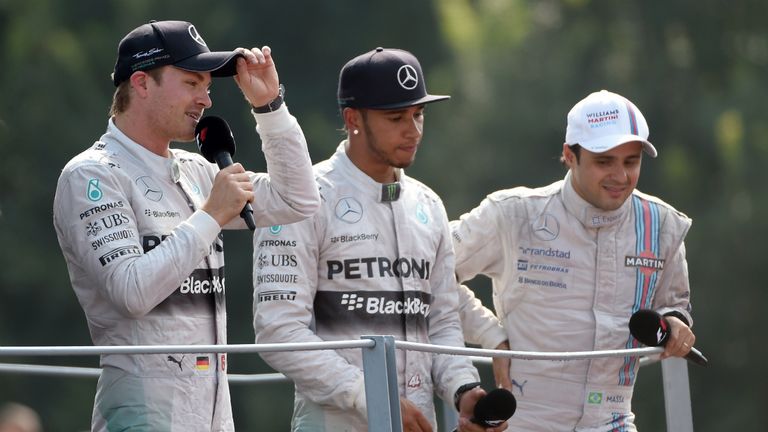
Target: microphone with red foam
{"points": [[217, 144], [652, 329]]}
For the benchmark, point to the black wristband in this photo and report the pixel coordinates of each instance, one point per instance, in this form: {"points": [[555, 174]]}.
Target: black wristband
{"points": [[273, 105], [460, 392]]}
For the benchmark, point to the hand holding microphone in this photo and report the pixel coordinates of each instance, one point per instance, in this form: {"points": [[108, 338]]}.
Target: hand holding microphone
{"points": [[494, 408], [217, 145], [488, 410], [652, 329]]}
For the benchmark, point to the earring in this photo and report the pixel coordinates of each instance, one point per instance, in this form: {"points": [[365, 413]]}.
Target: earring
{"points": [[355, 131]]}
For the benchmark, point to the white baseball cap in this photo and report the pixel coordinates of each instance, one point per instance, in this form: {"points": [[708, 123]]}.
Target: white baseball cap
{"points": [[604, 120]]}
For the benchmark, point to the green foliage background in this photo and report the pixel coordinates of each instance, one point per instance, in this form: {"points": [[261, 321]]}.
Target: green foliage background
{"points": [[514, 68]]}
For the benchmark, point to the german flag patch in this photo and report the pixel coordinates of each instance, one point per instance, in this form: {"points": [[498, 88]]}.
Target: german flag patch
{"points": [[202, 363]]}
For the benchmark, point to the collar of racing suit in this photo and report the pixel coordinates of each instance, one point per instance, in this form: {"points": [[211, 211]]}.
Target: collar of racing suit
{"points": [[362, 180], [588, 215], [156, 163]]}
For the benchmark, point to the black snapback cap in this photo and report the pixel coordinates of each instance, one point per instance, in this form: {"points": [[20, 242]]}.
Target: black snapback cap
{"points": [[177, 43], [384, 78]]}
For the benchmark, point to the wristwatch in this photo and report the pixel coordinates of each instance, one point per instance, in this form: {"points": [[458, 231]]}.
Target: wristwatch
{"points": [[460, 392], [273, 105]]}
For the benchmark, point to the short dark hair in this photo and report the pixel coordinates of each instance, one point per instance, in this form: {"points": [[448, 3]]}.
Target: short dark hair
{"points": [[122, 97], [576, 149]]}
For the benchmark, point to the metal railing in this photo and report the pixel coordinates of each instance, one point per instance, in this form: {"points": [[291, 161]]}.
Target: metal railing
{"points": [[379, 369]]}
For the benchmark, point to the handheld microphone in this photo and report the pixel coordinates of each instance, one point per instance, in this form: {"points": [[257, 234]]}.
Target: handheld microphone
{"points": [[652, 329], [217, 145], [493, 409]]}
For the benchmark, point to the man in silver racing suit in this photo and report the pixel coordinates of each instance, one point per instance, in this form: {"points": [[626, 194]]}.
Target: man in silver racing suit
{"points": [[570, 263], [139, 225], [376, 259]]}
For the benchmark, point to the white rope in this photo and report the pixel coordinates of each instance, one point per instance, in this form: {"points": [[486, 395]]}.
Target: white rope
{"points": [[644, 361], [481, 356], [527, 355], [312, 346], [180, 349], [85, 372]]}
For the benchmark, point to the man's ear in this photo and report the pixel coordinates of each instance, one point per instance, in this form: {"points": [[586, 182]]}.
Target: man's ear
{"points": [[353, 119], [139, 82], [569, 158]]}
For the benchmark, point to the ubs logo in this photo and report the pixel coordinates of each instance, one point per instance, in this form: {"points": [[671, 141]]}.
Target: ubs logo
{"points": [[546, 227], [407, 77], [280, 260], [349, 210], [92, 229], [150, 189]]}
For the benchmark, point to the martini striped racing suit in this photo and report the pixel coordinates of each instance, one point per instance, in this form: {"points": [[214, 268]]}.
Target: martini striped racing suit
{"points": [[147, 266], [376, 259], [567, 277]]}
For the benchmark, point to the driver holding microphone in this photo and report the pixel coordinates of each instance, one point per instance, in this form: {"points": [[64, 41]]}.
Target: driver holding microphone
{"points": [[570, 263], [139, 224]]}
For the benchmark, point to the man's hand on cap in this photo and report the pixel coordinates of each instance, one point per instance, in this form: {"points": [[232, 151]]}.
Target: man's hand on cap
{"points": [[257, 75]]}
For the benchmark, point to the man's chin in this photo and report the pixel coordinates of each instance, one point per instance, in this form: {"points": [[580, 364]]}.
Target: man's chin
{"points": [[185, 139], [403, 163], [613, 204]]}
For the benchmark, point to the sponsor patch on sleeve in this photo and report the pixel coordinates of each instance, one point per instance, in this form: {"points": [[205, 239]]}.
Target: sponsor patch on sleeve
{"points": [[118, 253]]}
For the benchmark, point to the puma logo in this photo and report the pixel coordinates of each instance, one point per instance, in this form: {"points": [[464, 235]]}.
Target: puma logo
{"points": [[178, 362], [520, 386]]}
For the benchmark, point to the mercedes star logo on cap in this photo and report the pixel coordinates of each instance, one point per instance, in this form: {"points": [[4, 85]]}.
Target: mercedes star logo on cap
{"points": [[196, 36], [407, 77]]}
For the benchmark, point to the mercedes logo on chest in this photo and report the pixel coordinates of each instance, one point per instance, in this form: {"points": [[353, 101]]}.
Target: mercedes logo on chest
{"points": [[149, 188], [546, 227], [349, 210]]}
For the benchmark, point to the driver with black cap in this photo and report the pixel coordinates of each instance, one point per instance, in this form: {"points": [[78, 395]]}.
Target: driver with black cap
{"points": [[375, 259], [139, 224]]}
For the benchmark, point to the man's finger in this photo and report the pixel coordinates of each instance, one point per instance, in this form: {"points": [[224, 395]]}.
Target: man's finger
{"points": [[423, 423], [258, 56]]}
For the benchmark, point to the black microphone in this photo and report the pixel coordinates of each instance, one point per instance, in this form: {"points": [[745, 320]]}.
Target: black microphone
{"points": [[496, 407], [217, 145], [652, 329]]}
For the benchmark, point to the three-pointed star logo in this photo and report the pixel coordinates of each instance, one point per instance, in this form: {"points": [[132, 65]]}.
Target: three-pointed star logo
{"points": [[196, 36], [151, 190], [407, 77], [546, 227], [349, 210]]}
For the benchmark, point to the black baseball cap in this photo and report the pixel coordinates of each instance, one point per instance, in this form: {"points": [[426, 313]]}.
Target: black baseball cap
{"points": [[178, 43], [385, 78]]}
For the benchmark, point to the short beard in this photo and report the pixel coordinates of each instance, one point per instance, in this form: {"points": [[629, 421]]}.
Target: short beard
{"points": [[374, 148]]}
